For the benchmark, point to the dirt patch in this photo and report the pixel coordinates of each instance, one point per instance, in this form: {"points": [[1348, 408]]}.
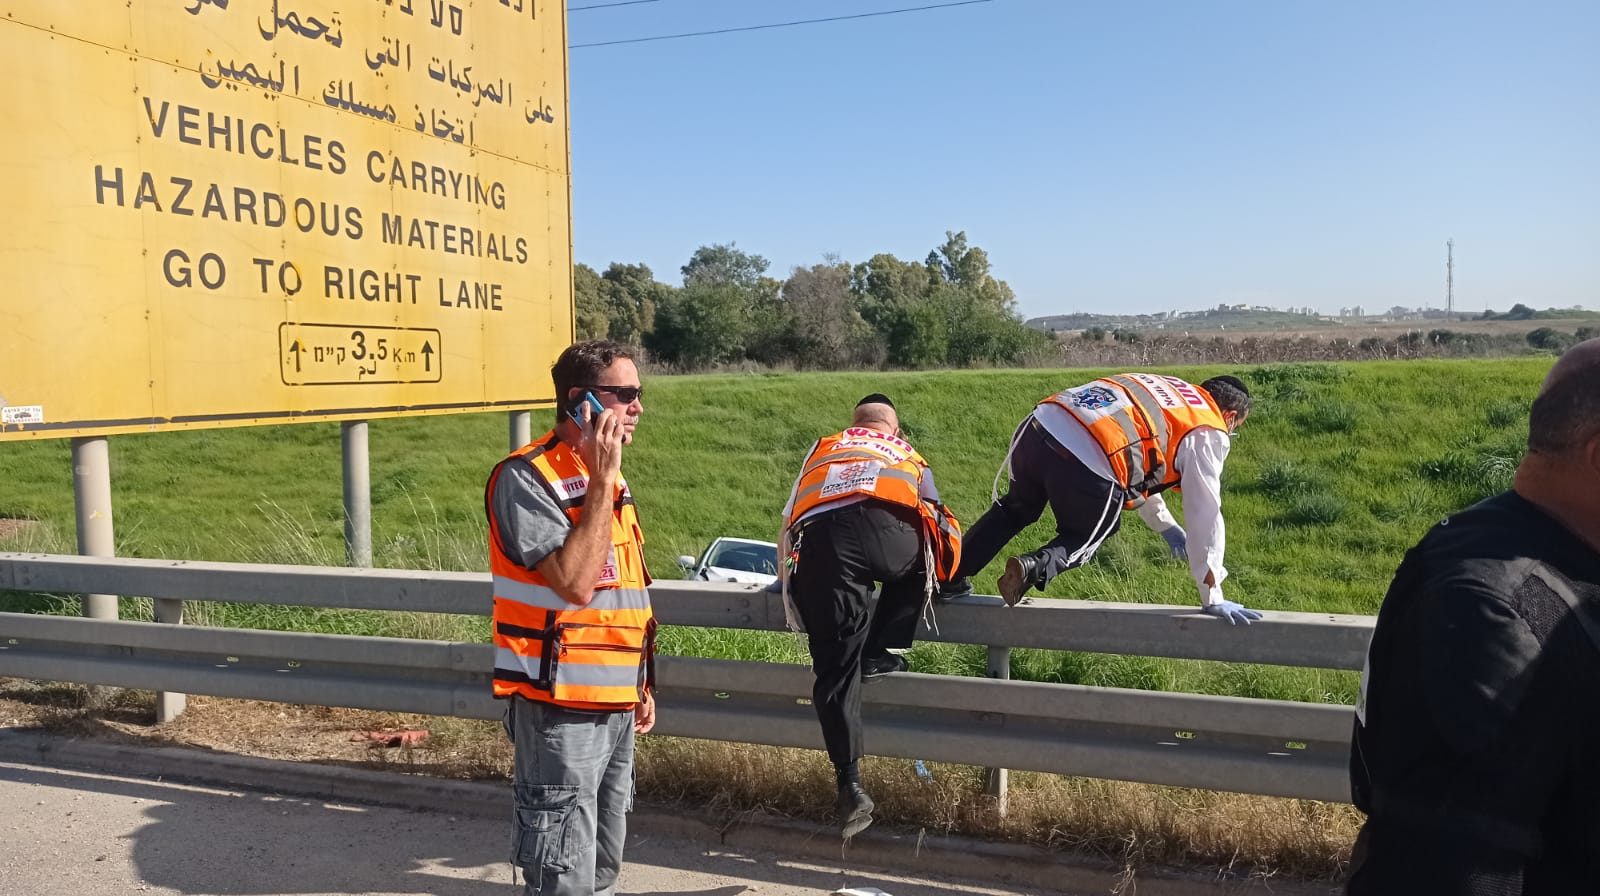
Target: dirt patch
{"points": [[11, 528], [453, 748]]}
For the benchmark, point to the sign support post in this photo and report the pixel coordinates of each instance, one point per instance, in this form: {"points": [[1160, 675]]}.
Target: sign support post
{"points": [[357, 493], [521, 428], [91, 492]]}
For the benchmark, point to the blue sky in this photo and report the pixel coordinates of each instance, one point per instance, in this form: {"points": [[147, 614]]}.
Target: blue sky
{"points": [[1110, 157]]}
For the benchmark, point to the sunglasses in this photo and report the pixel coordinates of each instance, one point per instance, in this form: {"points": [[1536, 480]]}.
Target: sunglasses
{"points": [[625, 394]]}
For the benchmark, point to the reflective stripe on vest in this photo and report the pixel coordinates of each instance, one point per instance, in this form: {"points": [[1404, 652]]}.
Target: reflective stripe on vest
{"points": [[910, 479], [1145, 466], [1138, 419], [543, 597], [943, 534], [597, 656], [575, 677]]}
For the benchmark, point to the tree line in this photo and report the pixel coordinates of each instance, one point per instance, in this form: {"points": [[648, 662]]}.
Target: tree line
{"points": [[945, 311]]}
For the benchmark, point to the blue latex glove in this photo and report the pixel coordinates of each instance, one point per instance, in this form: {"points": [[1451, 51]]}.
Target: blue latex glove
{"points": [[1234, 613], [1178, 541]]}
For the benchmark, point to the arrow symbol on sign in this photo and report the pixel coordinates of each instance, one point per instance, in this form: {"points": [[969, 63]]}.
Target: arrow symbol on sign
{"points": [[295, 347], [427, 356]]}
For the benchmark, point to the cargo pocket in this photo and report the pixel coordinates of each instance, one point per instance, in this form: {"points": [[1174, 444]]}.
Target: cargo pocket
{"points": [[544, 812]]}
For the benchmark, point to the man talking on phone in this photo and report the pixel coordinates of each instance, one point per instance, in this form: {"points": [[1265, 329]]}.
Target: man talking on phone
{"points": [[574, 635]]}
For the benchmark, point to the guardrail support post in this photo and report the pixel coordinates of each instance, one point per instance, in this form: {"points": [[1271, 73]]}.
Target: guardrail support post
{"points": [[357, 493], [169, 705], [521, 428], [995, 779]]}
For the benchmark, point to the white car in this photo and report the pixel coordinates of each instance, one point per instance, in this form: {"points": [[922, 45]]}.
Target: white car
{"points": [[734, 560]]}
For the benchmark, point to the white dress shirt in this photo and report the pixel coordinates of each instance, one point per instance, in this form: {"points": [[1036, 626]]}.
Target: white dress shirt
{"points": [[1199, 463]]}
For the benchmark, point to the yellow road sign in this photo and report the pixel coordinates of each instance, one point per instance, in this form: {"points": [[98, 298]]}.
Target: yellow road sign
{"points": [[224, 212]]}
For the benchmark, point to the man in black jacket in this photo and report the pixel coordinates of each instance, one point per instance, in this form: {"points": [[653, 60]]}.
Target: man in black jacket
{"points": [[1476, 753]]}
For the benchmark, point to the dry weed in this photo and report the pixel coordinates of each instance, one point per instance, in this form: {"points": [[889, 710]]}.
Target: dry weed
{"points": [[1131, 825]]}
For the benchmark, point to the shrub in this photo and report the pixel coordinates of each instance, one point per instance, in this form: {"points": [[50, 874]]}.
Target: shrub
{"points": [[1550, 339], [1314, 508], [1327, 417], [1457, 466], [1507, 413], [1478, 470], [1295, 373], [1283, 479]]}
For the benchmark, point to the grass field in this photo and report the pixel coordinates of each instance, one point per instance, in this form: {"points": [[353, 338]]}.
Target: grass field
{"points": [[1340, 468]]}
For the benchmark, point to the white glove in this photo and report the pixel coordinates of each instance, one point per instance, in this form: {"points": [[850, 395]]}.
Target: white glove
{"points": [[1178, 541], [1232, 612]]}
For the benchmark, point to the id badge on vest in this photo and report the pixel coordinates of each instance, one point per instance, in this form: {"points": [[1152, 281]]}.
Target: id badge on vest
{"points": [[608, 571], [848, 479]]}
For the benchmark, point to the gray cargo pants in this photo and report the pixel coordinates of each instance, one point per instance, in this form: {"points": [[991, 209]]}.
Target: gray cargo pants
{"points": [[573, 788]]}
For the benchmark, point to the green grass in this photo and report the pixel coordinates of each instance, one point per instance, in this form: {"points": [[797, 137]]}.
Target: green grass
{"points": [[1340, 469]]}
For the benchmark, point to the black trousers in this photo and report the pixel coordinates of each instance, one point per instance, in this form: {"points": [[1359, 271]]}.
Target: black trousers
{"points": [[1087, 507], [842, 553]]}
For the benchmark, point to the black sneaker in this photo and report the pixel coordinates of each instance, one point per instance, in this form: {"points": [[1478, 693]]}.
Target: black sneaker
{"points": [[854, 809], [955, 588], [879, 666], [1022, 573]]}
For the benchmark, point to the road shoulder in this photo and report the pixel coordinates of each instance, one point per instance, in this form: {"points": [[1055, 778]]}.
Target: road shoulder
{"points": [[880, 847]]}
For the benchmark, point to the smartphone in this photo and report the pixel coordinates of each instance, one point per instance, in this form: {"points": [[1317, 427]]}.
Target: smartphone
{"points": [[595, 407]]}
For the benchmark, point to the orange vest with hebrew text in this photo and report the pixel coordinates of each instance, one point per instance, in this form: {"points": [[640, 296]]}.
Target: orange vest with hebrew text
{"points": [[1138, 419]]}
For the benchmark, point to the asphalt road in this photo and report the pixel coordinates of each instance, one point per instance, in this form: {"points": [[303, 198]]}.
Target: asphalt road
{"points": [[93, 834]]}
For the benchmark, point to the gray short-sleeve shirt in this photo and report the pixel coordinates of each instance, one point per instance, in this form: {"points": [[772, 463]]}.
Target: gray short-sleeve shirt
{"points": [[530, 523]]}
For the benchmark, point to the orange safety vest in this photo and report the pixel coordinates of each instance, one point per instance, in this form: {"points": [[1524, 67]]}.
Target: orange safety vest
{"points": [[1138, 419], [600, 656], [861, 461]]}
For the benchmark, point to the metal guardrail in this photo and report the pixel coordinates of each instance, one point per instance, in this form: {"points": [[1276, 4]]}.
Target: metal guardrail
{"points": [[1269, 747]]}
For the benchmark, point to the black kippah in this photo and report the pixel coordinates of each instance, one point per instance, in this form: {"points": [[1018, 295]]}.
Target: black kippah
{"points": [[875, 398]]}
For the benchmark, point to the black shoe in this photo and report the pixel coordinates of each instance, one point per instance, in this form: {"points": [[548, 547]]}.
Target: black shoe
{"points": [[1022, 573], [854, 809], [955, 588], [879, 666]]}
